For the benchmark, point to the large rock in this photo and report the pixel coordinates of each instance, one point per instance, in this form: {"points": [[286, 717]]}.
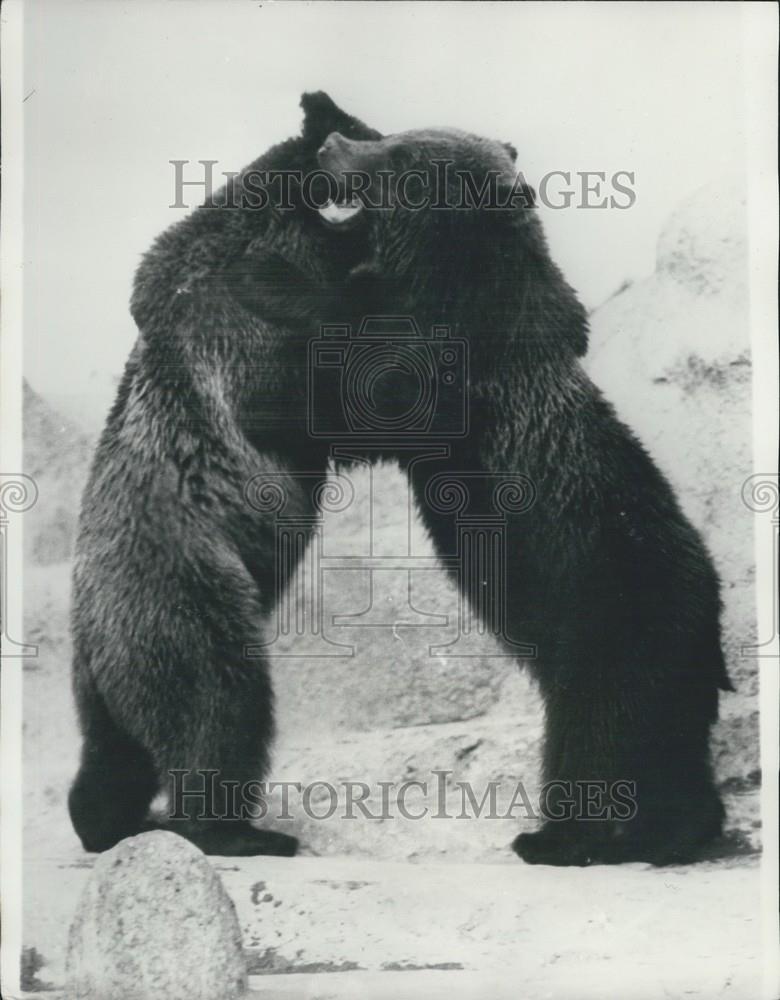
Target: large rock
{"points": [[57, 456], [379, 671], [673, 354], [154, 921]]}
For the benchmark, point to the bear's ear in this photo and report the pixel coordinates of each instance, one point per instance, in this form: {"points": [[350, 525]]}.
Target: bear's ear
{"points": [[511, 150], [321, 116]]}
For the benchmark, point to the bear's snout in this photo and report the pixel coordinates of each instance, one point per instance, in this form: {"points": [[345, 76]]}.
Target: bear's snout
{"points": [[333, 154], [338, 154], [334, 141]]}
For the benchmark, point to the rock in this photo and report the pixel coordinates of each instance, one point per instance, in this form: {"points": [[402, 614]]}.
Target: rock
{"points": [[57, 456], [389, 618], [155, 922], [672, 353], [487, 756]]}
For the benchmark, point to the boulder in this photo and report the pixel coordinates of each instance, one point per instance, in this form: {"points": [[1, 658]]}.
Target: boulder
{"points": [[154, 921], [57, 455], [673, 354], [371, 665]]}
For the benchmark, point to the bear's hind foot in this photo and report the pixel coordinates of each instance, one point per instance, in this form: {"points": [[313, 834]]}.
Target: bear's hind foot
{"points": [[579, 844], [238, 839]]}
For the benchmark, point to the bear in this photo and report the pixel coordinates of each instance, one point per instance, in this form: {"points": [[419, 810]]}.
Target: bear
{"points": [[173, 570], [605, 579]]}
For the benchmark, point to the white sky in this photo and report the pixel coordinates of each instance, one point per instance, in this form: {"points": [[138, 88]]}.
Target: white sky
{"points": [[122, 88]]}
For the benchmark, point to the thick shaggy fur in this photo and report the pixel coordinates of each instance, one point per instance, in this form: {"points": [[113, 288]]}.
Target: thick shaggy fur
{"points": [[174, 571], [605, 574]]}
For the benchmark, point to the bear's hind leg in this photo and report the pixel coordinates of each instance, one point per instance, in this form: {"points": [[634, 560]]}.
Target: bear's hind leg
{"points": [[115, 784], [213, 772], [627, 772]]}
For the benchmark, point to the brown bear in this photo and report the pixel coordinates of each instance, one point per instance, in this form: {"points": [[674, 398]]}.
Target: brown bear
{"points": [[604, 574], [174, 571]]}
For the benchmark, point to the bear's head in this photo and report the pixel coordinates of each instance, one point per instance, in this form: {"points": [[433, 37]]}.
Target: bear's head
{"points": [[290, 265], [299, 154], [454, 239], [258, 237]]}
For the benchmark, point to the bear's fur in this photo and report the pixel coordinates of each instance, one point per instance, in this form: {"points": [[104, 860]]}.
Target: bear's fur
{"points": [[605, 575], [174, 571]]}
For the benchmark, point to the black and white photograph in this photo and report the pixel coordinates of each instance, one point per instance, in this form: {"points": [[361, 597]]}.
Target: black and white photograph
{"points": [[389, 500]]}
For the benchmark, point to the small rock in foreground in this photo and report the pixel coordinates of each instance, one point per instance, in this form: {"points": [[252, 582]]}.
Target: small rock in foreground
{"points": [[155, 921]]}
